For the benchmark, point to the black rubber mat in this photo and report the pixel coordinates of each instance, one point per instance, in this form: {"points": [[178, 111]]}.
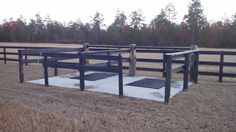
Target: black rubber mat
{"points": [[148, 83], [95, 76]]}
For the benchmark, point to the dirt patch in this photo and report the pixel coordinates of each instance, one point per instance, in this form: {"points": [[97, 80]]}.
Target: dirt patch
{"points": [[207, 106]]}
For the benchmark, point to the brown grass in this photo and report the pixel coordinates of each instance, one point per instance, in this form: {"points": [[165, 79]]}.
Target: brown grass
{"points": [[28, 107], [207, 106]]}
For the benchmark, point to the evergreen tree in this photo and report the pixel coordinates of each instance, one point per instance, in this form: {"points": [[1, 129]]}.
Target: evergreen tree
{"points": [[195, 19]]}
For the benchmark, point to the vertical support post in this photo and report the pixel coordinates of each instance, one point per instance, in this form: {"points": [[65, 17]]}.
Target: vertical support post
{"points": [[120, 75], [21, 69], [221, 66], [109, 61], [85, 49], [168, 78], [132, 60], [26, 58], [196, 64], [45, 66], [192, 59], [55, 69], [164, 64], [186, 70], [81, 72], [4, 55]]}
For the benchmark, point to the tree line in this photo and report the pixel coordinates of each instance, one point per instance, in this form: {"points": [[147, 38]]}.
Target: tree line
{"points": [[162, 30]]}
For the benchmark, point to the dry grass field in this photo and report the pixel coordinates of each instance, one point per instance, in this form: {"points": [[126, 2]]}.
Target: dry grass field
{"points": [[206, 106]]}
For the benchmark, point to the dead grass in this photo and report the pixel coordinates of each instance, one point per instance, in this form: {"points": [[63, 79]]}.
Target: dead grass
{"points": [[28, 107], [207, 106]]}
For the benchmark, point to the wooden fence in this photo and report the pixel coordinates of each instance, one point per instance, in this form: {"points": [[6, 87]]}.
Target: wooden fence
{"points": [[112, 54], [6, 51]]}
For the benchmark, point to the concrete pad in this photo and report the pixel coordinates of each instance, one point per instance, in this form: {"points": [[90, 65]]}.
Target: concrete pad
{"points": [[110, 85]]}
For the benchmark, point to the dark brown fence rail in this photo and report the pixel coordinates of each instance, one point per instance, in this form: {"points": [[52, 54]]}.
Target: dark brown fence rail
{"points": [[10, 53]]}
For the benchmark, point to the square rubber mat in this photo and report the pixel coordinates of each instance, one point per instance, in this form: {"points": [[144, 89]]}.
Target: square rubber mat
{"points": [[95, 76], [148, 83]]}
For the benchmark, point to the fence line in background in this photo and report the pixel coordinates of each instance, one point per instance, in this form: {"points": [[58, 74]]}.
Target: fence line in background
{"points": [[141, 49]]}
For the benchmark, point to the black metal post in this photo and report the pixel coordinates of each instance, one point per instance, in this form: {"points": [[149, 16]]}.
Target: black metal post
{"points": [[168, 78], [186, 72], [21, 70], [45, 66], [120, 76]]}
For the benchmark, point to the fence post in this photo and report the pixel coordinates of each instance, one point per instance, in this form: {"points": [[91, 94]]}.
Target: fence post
{"points": [[85, 49], [26, 58], [26, 63], [81, 71], [192, 68], [21, 70], [45, 66], [168, 78], [196, 64], [132, 60], [186, 71], [120, 76], [55, 69], [221, 66], [164, 64], [4, 55], [109, 61]]}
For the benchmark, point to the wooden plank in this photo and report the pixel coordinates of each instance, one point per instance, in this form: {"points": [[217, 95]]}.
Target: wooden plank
{"points": [[45, 66], [149, 60], [120, 76], [101, 57], [195, 68], [4, 55], [178, 68], [168, 79], [10, 59], [81, 73], [221, 67], [21, 70], [181, 54], [186, 72]]}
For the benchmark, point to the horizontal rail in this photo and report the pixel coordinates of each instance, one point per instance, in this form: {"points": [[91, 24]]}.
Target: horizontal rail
{"points": [[53, 50], [100, 57], [9, 59], [142, 47], [146, 69], [106, 51], [24, 47], [218, 52], [156, 51], [216, 74], [177, 68], [181, 54]]}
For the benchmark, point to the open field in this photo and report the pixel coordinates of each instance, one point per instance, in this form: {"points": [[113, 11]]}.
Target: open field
{"points": [[207, 106], [26, 107]]}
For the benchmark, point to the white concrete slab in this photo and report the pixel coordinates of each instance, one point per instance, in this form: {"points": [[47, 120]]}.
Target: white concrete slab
{"points": [[110, 86]]}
